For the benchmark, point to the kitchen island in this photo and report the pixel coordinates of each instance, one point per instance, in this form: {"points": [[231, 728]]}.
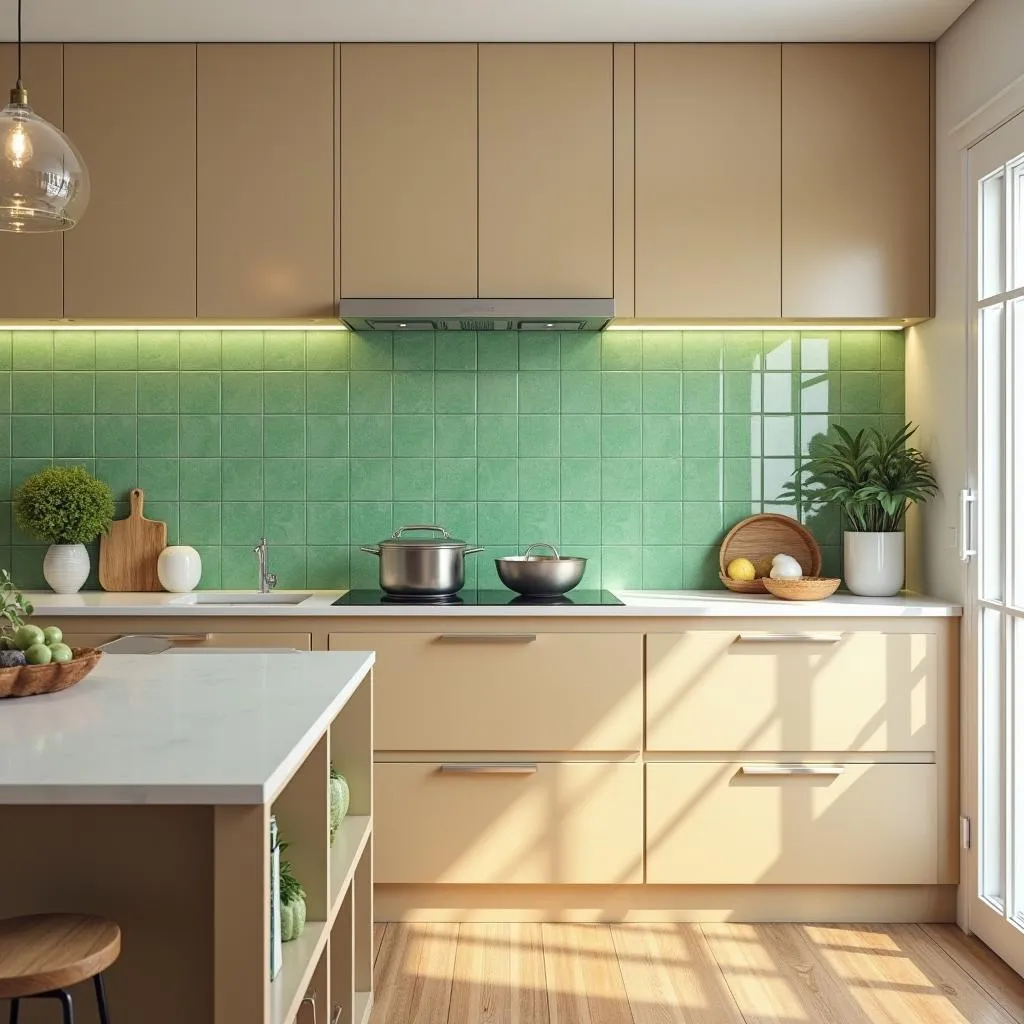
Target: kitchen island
{"points": [[144, 795]]}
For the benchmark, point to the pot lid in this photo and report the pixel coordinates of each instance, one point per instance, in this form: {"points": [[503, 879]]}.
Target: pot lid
{"points": [[446, 540]]}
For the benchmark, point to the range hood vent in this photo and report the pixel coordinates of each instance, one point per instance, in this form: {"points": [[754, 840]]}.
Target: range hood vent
{"points": [[476, 314]]}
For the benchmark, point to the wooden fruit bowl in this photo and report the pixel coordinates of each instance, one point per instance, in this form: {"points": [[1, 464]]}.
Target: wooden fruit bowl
{"points": [[31, 680], [802, 588]]}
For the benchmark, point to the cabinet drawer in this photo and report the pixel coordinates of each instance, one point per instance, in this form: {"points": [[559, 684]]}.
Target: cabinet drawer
{"points": [[536, 824], [465, 690], [726, 690], [872, 824], [190, 639]]}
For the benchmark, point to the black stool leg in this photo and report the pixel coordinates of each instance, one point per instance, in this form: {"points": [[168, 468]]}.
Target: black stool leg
{"points": [[14, 1011], [101, 999], [66, 1004]]}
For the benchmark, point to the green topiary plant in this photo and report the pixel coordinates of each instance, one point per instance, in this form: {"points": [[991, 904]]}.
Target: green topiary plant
{"points": [[64, 505]]}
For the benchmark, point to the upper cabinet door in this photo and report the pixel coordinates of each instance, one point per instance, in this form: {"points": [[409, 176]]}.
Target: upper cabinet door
{"points": [[856, 180], [131, 110], [546, 170], [265, 193], [408, 170], [31, 283], [708, 170]]}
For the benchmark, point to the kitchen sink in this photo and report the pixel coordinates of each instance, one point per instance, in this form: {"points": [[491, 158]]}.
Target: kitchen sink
{"points": [[242, 599]]}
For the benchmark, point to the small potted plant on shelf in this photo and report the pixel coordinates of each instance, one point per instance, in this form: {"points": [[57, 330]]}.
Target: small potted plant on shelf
{"points": [[339, 800], [67, 507], [874, 478], [293, 902]]}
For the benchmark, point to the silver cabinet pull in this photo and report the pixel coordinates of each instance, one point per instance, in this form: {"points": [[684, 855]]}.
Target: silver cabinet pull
{"points": [[789, 638], [337, 1015], [488, 638], [310, 1001], [792, 769], [491, 768], [174, 638]]}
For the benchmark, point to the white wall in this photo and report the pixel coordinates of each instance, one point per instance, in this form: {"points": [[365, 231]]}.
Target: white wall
{"points": [[977, 59]]}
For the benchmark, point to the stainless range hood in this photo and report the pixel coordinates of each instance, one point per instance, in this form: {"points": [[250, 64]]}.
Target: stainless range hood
{"points": [[475, 314]]}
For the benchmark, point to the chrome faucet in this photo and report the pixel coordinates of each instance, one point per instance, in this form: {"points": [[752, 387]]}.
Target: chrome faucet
{"points": [[268, 580]]}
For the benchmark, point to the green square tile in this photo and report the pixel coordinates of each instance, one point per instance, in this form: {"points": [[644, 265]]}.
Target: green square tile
{"points": [[327, 350], [539, 521], [662, 436], [700, 568], [498, 480], [413, 479], [662, 522], [781, 351], [159, 479], [742, 479], [200, 435], [702, 392], [5, 437], [289, 565], [580, 392], [414, 511], [736, 511], [539, 436], [781, 392], [120, 475], [327, 568], [663, 479], [454, 435], [32, 350], [621, 522], [777, 473], [284, 391], [455, 350], [581, 522], [497, 350], [158, 350], [413, 435], [780, 436], [327, 479], [241, 479], [6, 355], [413, 392], [74, 350], [116, 436], [370, 391], [819, 351], [702, 480], [327, 523], [497, 435], [538, 392], [703, 350], [580, 350], [820, 392], [32, 392], [824, 521], [742, 392], [459, 518], [199, 522], [580, 435], [702, 522], [663, 390], [861, 394], [73, 436], [581, 479], [158, 392], [116, 392], [812, 430], [621, 568], [622, 350], [242, 436], [455, 479], [856, 423], [238, 569], [20, 469], [210, 559], [663, 567], [621, 479], [158, 435], [284, 436], [455, 392], [742, 350], [373, 350], [413, 350], [702, 435], [327, 392], [242, 391], [5, 391], [621, 436], [893, 395], [370, 479], [284, 350], [327, 436], [117, 350], [370, 522], [893, 350], [497, 522], [861, 350], [199, 350], [539, 479], [285, 522], [199, 392], [27, 567], [364, 569], [370, 435], [284, 479], [200, 480], [243, 524], [662, 350], [497, 392], [242, 350], [620, 393], [538, 350]]}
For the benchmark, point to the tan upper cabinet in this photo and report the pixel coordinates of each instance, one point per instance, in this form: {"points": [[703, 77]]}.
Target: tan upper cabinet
{"points": [[31, 284], [266, 183], [408, 170], [131, 110], [708, 169], [856, 191], [546, 170]]}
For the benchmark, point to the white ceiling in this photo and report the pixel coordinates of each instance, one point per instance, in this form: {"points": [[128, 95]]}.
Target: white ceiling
{"points": [[525, 20]]}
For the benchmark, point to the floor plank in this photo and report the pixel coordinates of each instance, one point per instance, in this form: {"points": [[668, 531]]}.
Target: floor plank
{"points": [[378, 938], [671, 977], [583, 977], [413, 974]]}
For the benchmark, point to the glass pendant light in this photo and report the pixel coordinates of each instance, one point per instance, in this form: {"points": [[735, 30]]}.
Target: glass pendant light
{"points": [[44, 185]]}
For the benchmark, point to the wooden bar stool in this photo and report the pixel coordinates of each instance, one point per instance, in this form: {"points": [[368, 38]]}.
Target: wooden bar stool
{"points": [[41, 955]]}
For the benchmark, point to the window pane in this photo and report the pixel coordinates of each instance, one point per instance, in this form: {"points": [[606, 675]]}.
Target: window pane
{"points": [[991, 488], [1017, 227], [992, 776], [991, 239], [1015, 774], [1015, 490]]}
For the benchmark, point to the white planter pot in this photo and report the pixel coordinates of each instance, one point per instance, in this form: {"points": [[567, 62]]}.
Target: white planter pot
{"points": [[66, 567], [874, 563], [179, 568]]}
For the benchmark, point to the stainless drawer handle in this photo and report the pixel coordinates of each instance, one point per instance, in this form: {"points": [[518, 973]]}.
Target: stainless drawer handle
{"points": [[469, 768], [786, 638], [488, 638], [792, 769], [174, 638]]}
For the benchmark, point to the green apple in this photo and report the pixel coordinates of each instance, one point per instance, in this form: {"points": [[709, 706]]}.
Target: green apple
{"points": [[60, 652], [28, 636], [52, 635], [38, 654]]}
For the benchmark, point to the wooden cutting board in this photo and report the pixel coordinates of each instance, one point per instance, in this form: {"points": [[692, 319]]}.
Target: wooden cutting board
{"points": [[128, 553]]}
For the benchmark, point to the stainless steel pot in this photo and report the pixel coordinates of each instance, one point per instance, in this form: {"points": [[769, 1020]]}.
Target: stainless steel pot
{"points": [[540, 575], [421, 566]]}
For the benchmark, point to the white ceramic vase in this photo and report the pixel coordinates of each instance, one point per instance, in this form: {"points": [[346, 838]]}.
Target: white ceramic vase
{"points": [[179, 568], [873, 563], [66, 567]]}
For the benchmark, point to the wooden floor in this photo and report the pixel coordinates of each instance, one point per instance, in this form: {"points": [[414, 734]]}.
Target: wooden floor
{"points": [[698, 974]]}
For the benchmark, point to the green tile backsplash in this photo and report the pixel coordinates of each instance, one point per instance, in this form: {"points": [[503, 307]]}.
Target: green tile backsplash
{"points": [[636, 449]]}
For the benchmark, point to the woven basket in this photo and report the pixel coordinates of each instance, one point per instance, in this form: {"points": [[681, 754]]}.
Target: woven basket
{"points": [[31, 680], [803, 589], [761, 538]]}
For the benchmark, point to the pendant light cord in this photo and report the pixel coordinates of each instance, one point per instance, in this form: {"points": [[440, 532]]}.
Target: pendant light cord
{"points": [[19, 44]]}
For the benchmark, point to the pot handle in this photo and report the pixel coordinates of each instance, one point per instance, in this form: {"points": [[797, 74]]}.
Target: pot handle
{"points": [[473, 551], [421, 526], [542, 544], [370, 549]]}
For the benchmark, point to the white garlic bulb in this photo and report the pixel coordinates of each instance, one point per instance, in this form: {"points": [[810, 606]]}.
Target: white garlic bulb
{"points": [[785, 567]]}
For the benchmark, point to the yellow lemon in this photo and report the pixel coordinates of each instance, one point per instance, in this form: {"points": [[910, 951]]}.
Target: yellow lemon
{"points": [[740, 569]]}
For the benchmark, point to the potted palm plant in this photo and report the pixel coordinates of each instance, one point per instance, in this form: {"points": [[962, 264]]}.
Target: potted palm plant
{"points": [[874, 478]]}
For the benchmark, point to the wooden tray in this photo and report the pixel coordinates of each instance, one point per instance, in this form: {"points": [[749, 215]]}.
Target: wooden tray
{"points": [[31, 680], [806, 588], [762, 537]]}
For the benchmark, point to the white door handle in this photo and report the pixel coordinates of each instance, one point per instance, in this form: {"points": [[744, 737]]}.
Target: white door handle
{"points": [[968, 499]]}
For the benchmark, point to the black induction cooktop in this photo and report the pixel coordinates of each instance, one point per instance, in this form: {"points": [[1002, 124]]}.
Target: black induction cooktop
{"points": [[480, 598]]}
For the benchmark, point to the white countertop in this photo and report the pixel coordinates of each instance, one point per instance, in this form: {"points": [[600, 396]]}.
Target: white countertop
{"points": [[171, 728], [639, 603]]}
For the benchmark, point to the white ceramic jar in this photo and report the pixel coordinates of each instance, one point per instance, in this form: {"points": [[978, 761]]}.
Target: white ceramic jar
{"points": [[66, 567], [179, 568], [873, 563]]}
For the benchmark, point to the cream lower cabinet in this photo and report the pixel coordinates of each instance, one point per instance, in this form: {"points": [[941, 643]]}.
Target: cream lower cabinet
{"points": [[190, 639]]}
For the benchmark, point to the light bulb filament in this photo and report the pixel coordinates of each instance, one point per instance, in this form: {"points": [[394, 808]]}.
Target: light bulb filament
{"points": [[18, 147]]}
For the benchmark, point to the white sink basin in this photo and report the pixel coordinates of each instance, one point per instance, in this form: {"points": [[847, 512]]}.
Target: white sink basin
{"points": [[224, 600]]}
